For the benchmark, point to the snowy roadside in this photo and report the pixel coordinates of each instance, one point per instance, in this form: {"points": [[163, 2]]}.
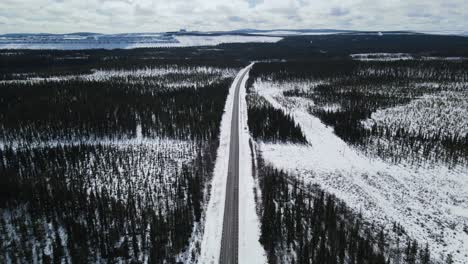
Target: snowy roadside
{"points": [[249, 226], [430, 203], [250, 249], [211, 242]]}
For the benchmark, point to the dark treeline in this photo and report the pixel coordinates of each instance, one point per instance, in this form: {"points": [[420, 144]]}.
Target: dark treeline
{"points": [[303, 224], [356, 72], [105, 214], [355, 106], [302, 70], [372, 42], [48, 63], [271, 125], [360, 88], [78, 109], [233, 54]]}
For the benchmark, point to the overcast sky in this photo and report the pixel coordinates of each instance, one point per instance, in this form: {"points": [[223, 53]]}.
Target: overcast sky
{"points": [[113, 16]]}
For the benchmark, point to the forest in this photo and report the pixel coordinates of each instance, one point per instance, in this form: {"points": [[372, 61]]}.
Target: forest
{"points": [[271, 125], [303, 224], [107, 164], [97, 109]]}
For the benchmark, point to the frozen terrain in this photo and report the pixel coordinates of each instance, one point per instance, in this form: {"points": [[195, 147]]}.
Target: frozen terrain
{"points": [[121, 41], [139, 165], [430, 203], [381, 56]]}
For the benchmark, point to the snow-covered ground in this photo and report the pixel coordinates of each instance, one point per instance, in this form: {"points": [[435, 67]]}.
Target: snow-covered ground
{"points": [[381, 56], [124, 41], [249, 226], [161, 71], [211, 242], [191, 76], [250, 249], [444, 58], [145, 167], [149, 157], [431, 203], [188, 41], [445, 113]]}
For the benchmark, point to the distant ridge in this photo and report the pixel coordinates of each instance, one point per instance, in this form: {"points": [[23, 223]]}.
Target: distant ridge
{"points": [[245, 31]]}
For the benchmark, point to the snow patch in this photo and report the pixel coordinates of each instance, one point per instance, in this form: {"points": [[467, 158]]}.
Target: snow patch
{"points": [[381, 56], [188, 41]]}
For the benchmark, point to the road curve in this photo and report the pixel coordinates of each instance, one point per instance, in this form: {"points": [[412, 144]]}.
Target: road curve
{"points": [[230, 236]]}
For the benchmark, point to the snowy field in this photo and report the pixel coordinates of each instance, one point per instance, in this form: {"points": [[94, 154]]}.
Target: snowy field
{"points": [[431, 203], [123, 41]]}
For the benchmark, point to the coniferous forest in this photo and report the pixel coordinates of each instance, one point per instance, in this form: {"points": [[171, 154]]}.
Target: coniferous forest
{"points": [[105, 165], [303, 224], [269, 124]]}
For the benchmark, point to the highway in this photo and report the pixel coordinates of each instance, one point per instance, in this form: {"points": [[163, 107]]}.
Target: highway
{"points": [[230, 236]]}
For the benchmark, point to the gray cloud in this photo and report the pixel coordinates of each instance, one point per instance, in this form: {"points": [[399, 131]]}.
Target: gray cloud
{"points": [[338, 11], [144, 11], [59, 16], [236, 19]]}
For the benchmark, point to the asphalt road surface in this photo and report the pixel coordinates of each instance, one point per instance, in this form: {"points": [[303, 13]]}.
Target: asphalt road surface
{"points": [[230, 237]]}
